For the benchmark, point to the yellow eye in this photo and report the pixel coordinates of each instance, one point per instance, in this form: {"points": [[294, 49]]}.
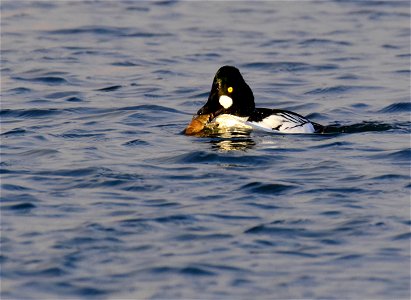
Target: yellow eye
{"points": [[230, 89]]}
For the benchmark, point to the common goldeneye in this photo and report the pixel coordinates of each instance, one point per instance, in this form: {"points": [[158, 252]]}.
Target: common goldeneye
{"points": [[231, 104]]}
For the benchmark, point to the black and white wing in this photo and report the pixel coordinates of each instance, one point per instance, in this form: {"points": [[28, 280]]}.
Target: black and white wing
{"points": [[280, 120]]}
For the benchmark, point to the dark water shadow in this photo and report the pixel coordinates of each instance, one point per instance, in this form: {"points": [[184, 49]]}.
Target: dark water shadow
{"points": [[365, 126]]}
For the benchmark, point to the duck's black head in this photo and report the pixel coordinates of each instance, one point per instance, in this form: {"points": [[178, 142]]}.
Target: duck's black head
{"points": [[229, 94]]}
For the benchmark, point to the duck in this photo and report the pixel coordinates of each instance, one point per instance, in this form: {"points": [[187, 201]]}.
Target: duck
{"points": [[230, 104]]}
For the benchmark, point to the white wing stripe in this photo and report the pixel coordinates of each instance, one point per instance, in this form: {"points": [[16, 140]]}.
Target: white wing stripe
{"points": [[293, 118], [287, 123]]}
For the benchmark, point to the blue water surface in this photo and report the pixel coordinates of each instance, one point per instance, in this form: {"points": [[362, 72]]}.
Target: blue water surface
{"points": [[103, 197]]}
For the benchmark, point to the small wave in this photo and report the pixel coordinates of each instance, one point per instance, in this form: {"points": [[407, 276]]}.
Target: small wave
{"points": [[166, 2], [205, 157], [272, 229], [29, 113], [52, 271], [297, 253], [19, 90], [267, 188], [277, 43], [150, 107], [289, 66], [13, 187], [49, 80], [125, 64], [340, 145], [404, 72], [397, 107], [264, 207], [135, 143], [90, 52], [82, 135], [405, 55], [348, 77], [402, 236], [107, 31], [349, 257], [137, 8], [70, 96], [98, 30], [15, 131], [390, 177], [211, 56], [38, 153], [389, 46], [340, 89], [196, 271], [189, 271], [60, 95], [110, 88], [74, 99], [148, 34], [39, 101], [21, 198], [359, 105], [208, 237], [358, 128], [21, 206], [176, 219], [322, 42], [403, 155]]}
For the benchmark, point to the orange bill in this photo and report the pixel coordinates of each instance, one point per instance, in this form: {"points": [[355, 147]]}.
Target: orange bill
{"points": [[197, 124]]}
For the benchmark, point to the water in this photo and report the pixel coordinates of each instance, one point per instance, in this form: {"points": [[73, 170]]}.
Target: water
{"points": [[103, 197]]}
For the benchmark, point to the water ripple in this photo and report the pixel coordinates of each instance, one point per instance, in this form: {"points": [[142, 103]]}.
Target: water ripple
{"points": [[204, 157], [340, 89], [110, 88], [107, 31], [49, 80], [323, 42], [288, 66], [270, 188], [397, 107], [29, 113]]}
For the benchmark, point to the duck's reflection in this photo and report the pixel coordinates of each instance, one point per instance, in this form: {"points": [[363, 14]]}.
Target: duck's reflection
{"points": [[232, 141], [231, 145]]}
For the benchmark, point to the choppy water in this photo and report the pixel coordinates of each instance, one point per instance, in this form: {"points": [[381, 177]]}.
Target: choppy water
{"points": [[102, 196]]}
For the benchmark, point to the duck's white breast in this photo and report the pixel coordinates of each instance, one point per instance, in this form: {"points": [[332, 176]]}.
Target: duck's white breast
{"points": [[230, 121]]}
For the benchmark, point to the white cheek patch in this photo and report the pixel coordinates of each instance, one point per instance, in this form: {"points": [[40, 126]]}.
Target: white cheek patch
{"points": [[225, 101]]}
